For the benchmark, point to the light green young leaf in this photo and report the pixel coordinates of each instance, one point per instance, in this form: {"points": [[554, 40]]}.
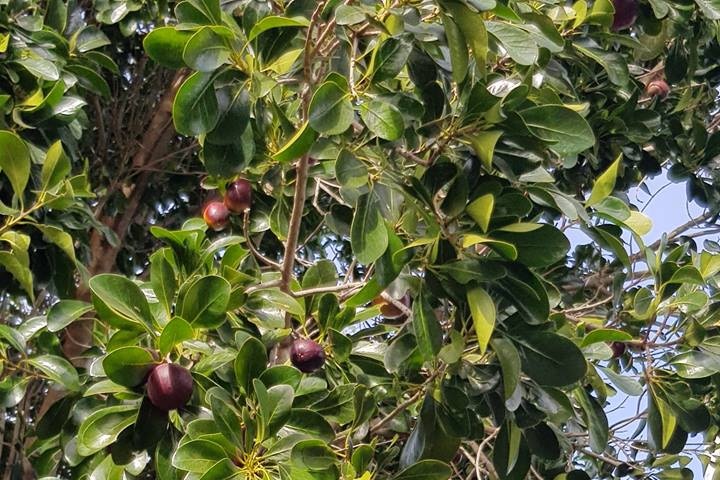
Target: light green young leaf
{"points": [[605, 183]]}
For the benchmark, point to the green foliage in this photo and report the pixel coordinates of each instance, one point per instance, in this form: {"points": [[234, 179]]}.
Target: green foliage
{"points": [[418, 170]]}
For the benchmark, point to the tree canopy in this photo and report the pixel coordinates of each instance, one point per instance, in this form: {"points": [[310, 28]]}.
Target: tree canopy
{"points": [[382, 285]]}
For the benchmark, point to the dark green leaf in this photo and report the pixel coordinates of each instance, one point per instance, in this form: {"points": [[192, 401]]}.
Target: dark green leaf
{"points": [[330, 109], [165, 45], [368, 235], [204, 303], [382, 119], [427, 328], [551, 359], [128, 366], [65, 312], [195, 110]]}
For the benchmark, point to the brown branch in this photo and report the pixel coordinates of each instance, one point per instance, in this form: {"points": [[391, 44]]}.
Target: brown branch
{"points": [[154, 144]]}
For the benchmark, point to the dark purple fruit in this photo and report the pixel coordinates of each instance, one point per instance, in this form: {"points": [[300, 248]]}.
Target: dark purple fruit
{"points": [[618, 349], [307, 355], [216, 215], [657, 88], [169, 386], [238, 196], [626, 12]]}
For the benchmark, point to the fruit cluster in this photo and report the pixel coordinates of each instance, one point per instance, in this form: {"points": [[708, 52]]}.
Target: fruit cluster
{"points": [[237, 199]]}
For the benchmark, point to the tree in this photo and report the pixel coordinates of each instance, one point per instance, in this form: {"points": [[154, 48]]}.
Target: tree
{"points": [[400, 300]]}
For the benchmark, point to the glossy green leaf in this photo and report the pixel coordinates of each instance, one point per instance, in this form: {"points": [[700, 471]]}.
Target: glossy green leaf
{"points": [[62, 239], [204, 303], [391, 57], [12, 336], [298, 145], [58, 370], [175, 332], [551, 359], [227, 420], [426, 327], [481, 210], [103, 427], [330, 110], [198, 456], [195, 109], [382, 119], [250, 362], [605, 183], [65, 312], [458, 49], [310, 423], [565, 131], [518, 43], [613, 63], [120, 302], [425, 470], [271, 22], [595, 420], [473, 28], [207, 50], [483, 144], [605, 335], [710, 8], [482, 309], [540, 247], [55, 167], [14, 161], [224, 469], [165, 45], [350, 172], [368, 235], [275, 407], [162, 278], [128, 366], [509, 359]]}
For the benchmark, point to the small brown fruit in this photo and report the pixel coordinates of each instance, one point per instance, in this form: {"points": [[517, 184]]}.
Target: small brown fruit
{"points": [[626, 12], [657, 88], [307, 355], [169, 386], [216, 215], [238, 196], [388, 309]]}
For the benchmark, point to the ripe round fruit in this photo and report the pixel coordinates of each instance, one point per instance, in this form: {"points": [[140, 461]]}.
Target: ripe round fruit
{"points": [[626, 12], [169, 386], [618, 349], [657, 88], [307, 355], [388, 309], [238, 196], [216, 215]]}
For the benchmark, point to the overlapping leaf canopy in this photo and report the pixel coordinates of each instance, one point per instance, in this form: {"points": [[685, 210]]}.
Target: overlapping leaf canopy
{"points": [[434, 156]]}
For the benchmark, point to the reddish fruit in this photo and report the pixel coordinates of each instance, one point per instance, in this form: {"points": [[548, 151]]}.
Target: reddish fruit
{"points": [[216, 215], [238, 196], [169, 386], [307, 355], [618, 349], [388, 309], [657, 88], [626, 12]]}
